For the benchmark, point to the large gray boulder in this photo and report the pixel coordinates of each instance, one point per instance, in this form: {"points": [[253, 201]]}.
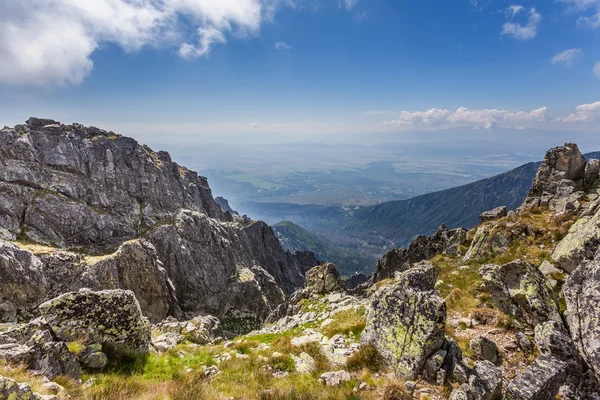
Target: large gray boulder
{"points": [[519, 289], [111, 318], [582, 294], [443, 241], [405, 321], [539, 381], [485, 381]]}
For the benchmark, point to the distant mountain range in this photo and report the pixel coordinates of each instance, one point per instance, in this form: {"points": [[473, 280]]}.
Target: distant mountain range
{"points": [[295, 238], [366, 233]]}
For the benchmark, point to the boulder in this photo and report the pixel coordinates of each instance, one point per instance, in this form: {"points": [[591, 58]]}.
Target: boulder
{"points": [[111, 318], [405, 321], [461, 393], [323, 279], [484, 349], [12, 390], [519, 289], [582, 294], [200, 330], [540, 381], [485, 381], [552, 339], [335, 378], [580, 243], [443, 241], [496, 213]]}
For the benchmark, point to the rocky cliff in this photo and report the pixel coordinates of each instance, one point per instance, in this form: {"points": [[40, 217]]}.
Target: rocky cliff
{"points": [[85, 207]]}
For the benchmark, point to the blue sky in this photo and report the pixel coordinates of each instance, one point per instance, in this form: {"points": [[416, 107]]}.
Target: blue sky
{"points": [[215, 67]]}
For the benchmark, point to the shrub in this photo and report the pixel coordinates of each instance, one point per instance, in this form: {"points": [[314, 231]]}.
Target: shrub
{"points": [[396, 392], [366, 357]]}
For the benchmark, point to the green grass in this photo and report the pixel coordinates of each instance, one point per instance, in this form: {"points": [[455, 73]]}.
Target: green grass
{"points": [[348, 322]]}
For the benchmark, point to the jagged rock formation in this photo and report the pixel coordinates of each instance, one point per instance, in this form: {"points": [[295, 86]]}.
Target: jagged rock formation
{"points": [[444, 241], [406, 321], [186, 257], [562, 180], [323, 279]]}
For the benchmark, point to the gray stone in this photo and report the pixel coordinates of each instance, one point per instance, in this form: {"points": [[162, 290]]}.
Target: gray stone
{"points": [[540, 381], [405, 322], [11, 390], [496, 213], [110, 317], [582, 294], [519, 289], [484, 349], [485, 381], [524, 342], [335, 378], [96, 360]]}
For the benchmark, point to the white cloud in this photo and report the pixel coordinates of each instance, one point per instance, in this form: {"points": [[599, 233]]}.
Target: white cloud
{"points": [[567, 57], [282, 46], [518, 30], [51, 42], [485, 118], [514, 10], [596, 70], [590, 21], [435, 116], [584, 113]]}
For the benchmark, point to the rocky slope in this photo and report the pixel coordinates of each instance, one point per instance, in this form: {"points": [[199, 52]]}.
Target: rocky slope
{"points": [[506, 310], [84, 207]]}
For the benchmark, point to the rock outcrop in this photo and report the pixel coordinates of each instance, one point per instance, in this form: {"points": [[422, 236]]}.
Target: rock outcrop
{"points": [[405, 322], [152, 225], [540, 381], [444, 241], [323, 279], [520, 290], [12, 390], [559, 183]]}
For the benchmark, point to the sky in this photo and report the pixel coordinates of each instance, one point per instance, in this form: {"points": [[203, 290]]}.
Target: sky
{"points": [[218, 69]]}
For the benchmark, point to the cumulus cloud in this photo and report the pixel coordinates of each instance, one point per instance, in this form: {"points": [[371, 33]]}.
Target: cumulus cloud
{"points": [[485, 118], [518, 30], [51, 42], [282, 46], [567, 57], [585, 113], [432, 117]]}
